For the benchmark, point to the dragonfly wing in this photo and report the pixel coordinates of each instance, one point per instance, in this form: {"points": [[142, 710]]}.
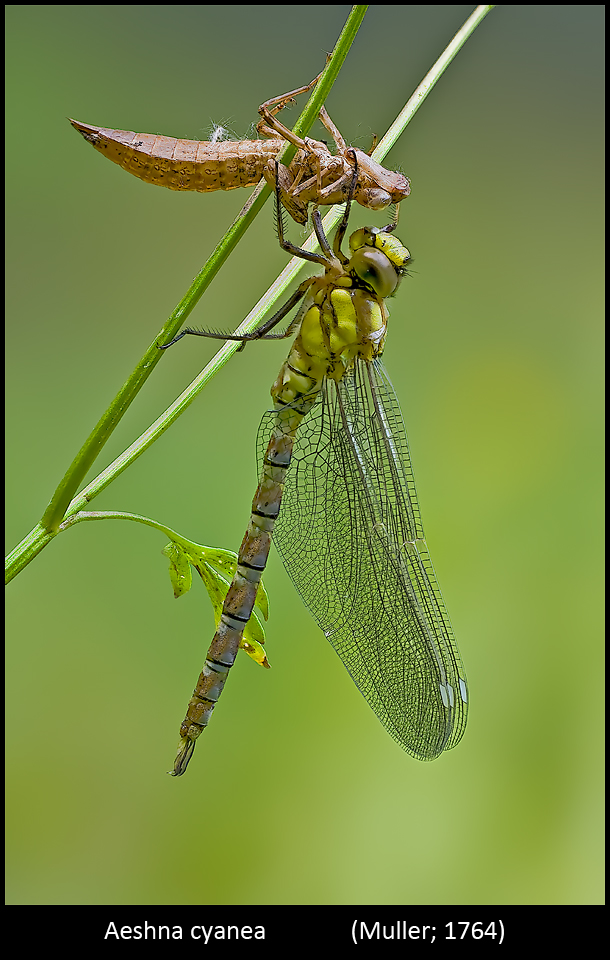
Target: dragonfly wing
{"points": [[351, 538]]}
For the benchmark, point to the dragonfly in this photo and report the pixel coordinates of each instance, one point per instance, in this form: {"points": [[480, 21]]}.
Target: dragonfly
{"points": [[315, 175], [337, 496]]}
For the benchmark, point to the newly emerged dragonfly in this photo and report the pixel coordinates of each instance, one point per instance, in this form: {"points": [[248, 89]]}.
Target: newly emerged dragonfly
{"points": [[314, 176], [334, 454]]}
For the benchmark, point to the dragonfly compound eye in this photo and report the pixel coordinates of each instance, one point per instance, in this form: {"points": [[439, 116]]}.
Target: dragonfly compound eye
{"points": [[374, 268]]}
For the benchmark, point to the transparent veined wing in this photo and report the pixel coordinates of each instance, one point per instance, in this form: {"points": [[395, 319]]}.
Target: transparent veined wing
{"points": [[351, 538]]}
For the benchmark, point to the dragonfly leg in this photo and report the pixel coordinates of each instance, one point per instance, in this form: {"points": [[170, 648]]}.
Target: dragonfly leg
{"points": [[322, 238], [179, 336], [284, 243], [261, 333]]}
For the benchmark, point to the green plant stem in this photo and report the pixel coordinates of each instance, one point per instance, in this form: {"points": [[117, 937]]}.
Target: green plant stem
{"points": [[121, 515], [38, 538]]}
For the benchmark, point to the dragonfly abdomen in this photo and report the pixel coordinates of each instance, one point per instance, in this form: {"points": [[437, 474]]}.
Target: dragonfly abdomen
{"points": [[241, 596]]}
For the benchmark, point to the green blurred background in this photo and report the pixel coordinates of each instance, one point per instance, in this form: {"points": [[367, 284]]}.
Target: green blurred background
{"points": [[296, 794]]}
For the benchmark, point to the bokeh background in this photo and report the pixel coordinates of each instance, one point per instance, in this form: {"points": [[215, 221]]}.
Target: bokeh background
{"points": [[296, 794]]}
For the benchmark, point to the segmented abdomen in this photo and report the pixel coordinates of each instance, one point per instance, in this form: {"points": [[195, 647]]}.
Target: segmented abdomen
{"points": [[241, 597], [183, 164]]}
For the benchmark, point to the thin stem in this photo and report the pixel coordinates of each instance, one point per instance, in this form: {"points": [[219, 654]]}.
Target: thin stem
{"points": [[121, 515]]}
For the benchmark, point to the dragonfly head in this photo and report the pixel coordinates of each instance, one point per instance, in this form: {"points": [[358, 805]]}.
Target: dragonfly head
{"points": [[378, 259]]}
